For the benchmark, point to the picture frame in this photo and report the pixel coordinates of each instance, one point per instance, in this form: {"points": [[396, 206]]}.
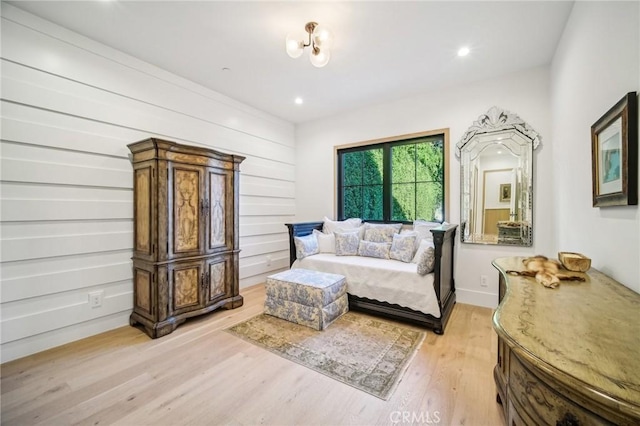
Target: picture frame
{"points": [[614, 155], [505, 192]]}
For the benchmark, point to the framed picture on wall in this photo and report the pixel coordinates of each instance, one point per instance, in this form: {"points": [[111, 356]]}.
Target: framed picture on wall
{"points": [[505, 192], [614, 155]]}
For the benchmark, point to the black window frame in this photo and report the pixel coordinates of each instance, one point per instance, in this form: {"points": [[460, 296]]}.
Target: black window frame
{"points": [[387, 145]]}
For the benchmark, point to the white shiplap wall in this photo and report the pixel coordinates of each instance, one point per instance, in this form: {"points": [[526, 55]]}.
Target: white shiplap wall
{"points": [[69, 108]]}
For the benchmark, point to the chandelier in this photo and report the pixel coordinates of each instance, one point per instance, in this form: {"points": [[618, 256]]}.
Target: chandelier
{"points": [[319, 40]]}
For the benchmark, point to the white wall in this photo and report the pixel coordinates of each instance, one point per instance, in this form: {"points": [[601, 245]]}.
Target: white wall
{"points": [[596, 64], [526, 94], [70, 106]]}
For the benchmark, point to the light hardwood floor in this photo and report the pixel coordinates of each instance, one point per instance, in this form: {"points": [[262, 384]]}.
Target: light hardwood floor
{"points": [[201, 375]]}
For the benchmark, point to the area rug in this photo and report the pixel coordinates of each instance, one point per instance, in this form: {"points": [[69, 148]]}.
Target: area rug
{"points": [[367, 353]]}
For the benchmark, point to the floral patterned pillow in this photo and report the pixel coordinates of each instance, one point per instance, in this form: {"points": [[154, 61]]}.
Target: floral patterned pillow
{"points": [[371, 249], [403, 247], [424, 245], [347, 243], [381, 233], [306, 246], [427, 261]]}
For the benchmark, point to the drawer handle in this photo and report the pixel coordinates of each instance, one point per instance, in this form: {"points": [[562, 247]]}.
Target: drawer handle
{"points": [[568, 420]]}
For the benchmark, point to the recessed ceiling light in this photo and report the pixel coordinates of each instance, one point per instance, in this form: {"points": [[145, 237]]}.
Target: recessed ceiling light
{"points": [[464, 51], [298, 101]]}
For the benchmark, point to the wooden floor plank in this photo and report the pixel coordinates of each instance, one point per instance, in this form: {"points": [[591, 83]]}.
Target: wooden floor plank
{"points": [[202, 375]]}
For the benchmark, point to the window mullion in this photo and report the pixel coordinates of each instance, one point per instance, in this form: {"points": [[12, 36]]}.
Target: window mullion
{"points": [[415, 182], [362, 186], [387, 197], [340, 186]]}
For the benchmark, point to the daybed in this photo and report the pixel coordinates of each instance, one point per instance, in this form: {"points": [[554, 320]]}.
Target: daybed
{"points": [[426, 300]]}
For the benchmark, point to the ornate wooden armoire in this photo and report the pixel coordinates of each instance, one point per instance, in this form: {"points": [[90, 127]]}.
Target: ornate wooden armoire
{"points": [[185, 253]]}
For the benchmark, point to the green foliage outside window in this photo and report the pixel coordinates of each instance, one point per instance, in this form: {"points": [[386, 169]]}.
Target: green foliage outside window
{"points": [[413, 178], [363, 185]]}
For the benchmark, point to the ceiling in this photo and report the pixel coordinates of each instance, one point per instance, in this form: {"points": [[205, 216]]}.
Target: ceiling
{"points": [[382, 50]]}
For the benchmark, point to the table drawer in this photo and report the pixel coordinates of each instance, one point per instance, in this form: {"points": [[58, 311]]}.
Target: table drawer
{"points": [[541, 401]]}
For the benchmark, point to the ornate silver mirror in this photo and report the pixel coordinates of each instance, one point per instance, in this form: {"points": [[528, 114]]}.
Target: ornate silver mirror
{"points": [[496, 180]]}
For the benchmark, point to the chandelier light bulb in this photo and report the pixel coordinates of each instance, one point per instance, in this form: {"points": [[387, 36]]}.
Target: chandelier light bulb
{"points": [[294, 47], [319, 58], [322, 37]]}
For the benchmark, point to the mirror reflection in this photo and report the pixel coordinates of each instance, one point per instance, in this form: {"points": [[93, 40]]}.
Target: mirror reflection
{"points": [[496, 163]]}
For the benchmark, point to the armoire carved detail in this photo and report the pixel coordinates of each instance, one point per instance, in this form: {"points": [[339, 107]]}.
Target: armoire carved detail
{"points": [[217, 185], [186, 243], [187, 188]]}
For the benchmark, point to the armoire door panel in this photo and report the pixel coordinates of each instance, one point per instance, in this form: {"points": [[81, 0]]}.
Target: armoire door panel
{"points": [[186, 279], [220, 227], [187, 198], [219, 277]]}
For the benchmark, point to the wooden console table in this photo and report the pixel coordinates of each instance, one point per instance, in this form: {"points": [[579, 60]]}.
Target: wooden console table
{"points": [[567, 356]]}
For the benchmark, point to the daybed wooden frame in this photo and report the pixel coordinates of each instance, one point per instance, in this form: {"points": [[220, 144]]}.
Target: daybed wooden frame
{"points": [[444, 283]]}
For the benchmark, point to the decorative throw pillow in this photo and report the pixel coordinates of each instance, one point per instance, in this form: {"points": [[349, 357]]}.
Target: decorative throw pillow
{"points": [[424, 245], [306, 246], [371, 249], [381, 233], [347, 243], [423, 228], [330, 226], [402, 247], [326, 242], [427, 261]]}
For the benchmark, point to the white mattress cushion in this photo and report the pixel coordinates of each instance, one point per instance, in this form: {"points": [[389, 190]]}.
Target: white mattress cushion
{"points": [[385, 280]]}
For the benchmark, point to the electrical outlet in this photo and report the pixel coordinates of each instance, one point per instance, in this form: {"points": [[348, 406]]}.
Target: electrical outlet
{"points": [[269, 260], [95, 299], [483, 281]]}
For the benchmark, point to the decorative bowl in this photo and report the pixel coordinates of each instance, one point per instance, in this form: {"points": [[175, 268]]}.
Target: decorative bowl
{"points": [[576, 262]]}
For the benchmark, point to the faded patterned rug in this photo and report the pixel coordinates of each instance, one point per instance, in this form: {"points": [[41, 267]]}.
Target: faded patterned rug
{"points": [[367, 353]]}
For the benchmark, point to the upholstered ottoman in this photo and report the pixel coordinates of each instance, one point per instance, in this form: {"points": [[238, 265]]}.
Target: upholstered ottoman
{"points": [[310, 298]]}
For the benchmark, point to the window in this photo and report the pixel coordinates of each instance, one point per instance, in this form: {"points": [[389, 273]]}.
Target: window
{"points": [[394, 181]]}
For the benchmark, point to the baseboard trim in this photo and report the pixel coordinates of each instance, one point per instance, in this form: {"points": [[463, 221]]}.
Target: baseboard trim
{"points": [[477, 298]]}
